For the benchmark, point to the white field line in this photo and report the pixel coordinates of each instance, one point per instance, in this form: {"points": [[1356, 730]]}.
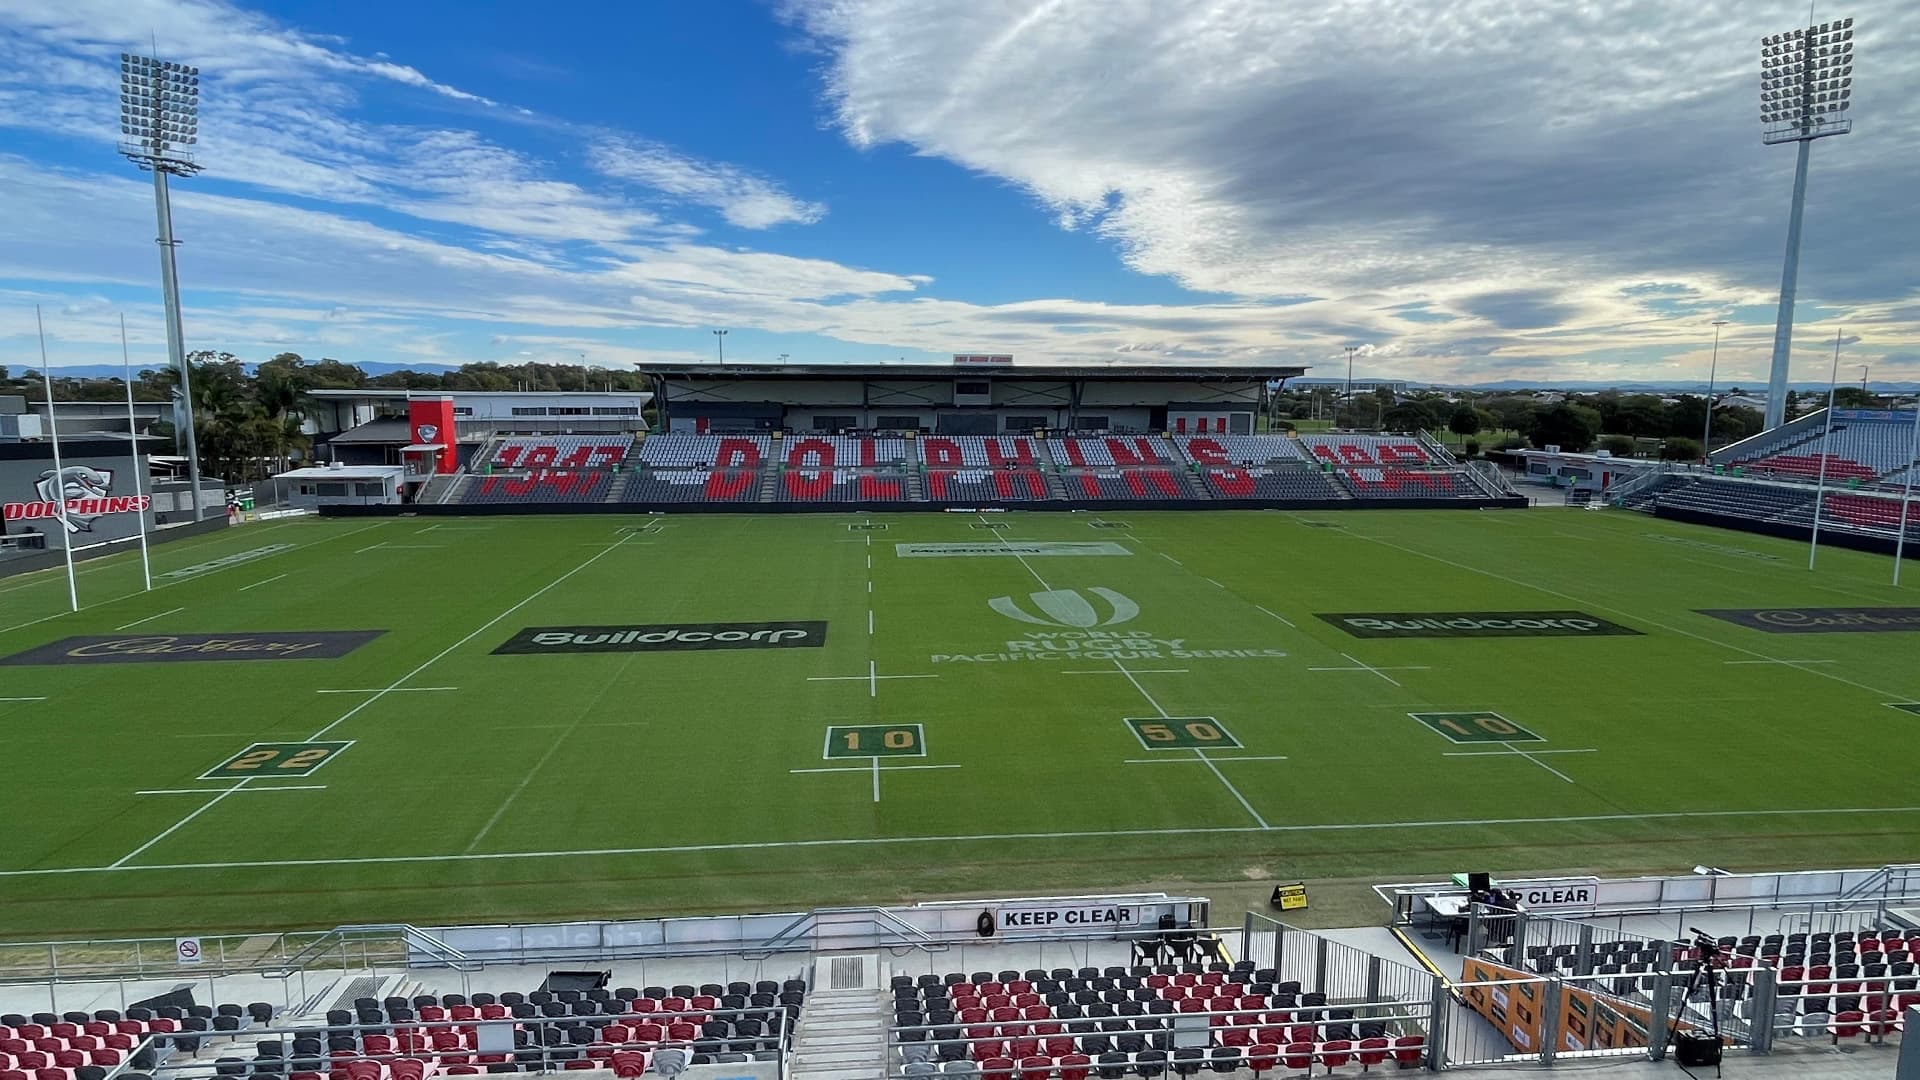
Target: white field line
{"points": [[1787, 662], [350, 713], [1538, 762], [391, 690], [1213, 583], [22, 699], [1503, 753], [477, 631], [217, 791], [1283, 619], [1171, 559], [1122, 668], [876, 779], [150, 618], [1136, 671], [176, 581], [894, 841], [863, 768], [514, 796], [1191, 761], [257, 584], [1628, 614]]}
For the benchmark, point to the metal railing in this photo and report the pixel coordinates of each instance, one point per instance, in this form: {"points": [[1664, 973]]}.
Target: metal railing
{"points": [[529, 1043]]}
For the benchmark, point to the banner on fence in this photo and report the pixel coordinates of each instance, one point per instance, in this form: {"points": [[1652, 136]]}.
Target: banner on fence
{"points": [[1589, 1020]]}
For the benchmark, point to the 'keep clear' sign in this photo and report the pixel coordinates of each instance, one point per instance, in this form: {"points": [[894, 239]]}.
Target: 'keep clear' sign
{"points": [[1067, 917]]}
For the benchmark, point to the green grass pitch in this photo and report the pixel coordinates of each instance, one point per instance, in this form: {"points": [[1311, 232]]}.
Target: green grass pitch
{"points": [[1172, 712]]}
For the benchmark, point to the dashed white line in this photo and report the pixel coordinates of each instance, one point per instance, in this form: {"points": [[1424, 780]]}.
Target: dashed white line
{"points": [[1171, 559], [1279, 616], [257, 584], [150, 618]]}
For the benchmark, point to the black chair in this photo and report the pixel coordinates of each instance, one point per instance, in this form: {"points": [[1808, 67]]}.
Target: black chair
{"points": [[523, 1011], [1110, 1066], [512, 998], [450, 1000], [1150, 1062], [571, 996], [230, 1066], [1224, 1059]]}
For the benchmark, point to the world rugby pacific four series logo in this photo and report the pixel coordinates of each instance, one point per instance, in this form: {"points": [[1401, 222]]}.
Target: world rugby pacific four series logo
{"points": [[1080, 626]]}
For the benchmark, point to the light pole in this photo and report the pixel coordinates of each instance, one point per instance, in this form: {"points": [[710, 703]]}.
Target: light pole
{"points": [[1864, 369], [1713, 369], [1351, 349], [160, 114], [1806, 83], [720, 343]]}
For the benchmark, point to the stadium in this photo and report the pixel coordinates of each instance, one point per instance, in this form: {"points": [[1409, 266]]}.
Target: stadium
{"points": [[1147, 707], [1120, 684]]}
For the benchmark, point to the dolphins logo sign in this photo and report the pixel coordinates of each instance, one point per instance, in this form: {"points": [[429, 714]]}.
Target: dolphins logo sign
{"points": [[1066, 607], [427, 432], [81, 482]]}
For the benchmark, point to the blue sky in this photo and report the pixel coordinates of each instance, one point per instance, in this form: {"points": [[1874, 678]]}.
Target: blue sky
{"points": [[1468, 191]]}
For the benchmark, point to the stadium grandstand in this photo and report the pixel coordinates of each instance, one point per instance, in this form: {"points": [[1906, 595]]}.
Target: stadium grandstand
{"points": [[1854, 474]]}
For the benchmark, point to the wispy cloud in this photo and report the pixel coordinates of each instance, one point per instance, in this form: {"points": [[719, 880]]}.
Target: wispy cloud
{"points": [[745, 200]]}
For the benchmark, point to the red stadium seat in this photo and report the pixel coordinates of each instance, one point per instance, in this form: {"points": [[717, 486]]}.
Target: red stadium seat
{"points": [[629, 1063], [1298, 1056], [1074, 1066], [1336, 1052], [1035, 1068], [1409, 1050], [1372, 1051], [997, 1069]]}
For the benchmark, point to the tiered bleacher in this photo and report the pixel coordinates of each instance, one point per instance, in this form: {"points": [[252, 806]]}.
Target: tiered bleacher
{"points": [[961, 470], [1115, 467], [561, 452], [837, 468], [1367, 482], [1114, 1021], [540, 486], [1256, 467], [1864, 447], [1831, 985], [1775, 503], [628, 1031], [1350, 449], [982, 468], [697, 469]]}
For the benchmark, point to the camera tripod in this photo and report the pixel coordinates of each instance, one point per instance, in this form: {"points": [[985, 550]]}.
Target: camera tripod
{"points": [[1708, 972]]}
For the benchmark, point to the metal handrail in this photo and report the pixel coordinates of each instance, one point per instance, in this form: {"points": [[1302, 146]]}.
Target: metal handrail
{"points": [[906, 934]]}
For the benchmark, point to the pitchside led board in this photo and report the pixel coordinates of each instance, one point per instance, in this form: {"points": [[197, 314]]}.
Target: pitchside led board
{"points": [[431, 422], [95, 482]]}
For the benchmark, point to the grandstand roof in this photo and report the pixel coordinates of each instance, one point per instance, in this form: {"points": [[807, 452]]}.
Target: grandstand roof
{"points": [[1234, 372]]}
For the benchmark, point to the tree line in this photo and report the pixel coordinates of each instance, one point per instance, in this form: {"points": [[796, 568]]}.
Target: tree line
{"points": [[249, 422], [1609, 420]]}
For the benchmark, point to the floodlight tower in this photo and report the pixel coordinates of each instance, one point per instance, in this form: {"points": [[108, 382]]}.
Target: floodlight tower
{"points": [[1806, 86], [160, 117]]}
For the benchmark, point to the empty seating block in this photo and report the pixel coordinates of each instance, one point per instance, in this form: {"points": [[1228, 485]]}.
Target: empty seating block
{"points": [[691, 486], [728, 452], [956, 452], [1114, 1022], [1142, 484], [1265, 483], [828, 451], [1124, 451], [1401, 450], [1006, 484], [562, 452], [1244, 450], [841, 485], [541, 486], [1385, 483]]}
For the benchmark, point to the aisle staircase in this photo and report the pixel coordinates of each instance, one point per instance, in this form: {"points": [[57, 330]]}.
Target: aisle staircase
{"points": [[842, 1034]]}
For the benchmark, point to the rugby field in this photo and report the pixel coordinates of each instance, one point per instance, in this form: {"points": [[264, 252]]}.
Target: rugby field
{"points": [[479, 719]]}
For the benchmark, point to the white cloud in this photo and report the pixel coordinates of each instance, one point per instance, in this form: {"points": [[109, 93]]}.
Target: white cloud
{"points": [[745, 200], [1507, 165]]}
